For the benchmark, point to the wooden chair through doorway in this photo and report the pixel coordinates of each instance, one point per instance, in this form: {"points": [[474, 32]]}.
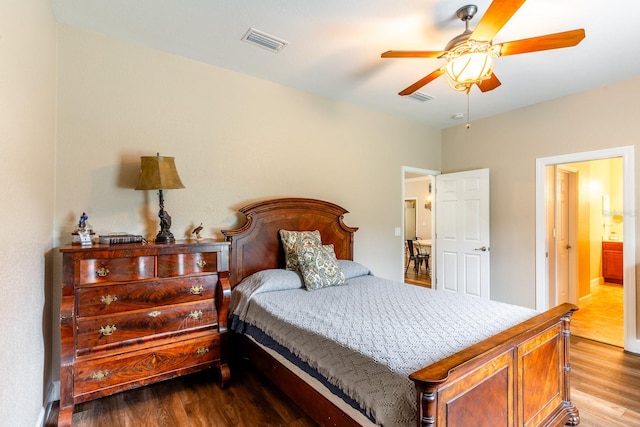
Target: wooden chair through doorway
{"points": [[416, 257]]}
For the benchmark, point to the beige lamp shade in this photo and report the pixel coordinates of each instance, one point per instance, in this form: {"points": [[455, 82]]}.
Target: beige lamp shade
{"points": [[158, 173]]}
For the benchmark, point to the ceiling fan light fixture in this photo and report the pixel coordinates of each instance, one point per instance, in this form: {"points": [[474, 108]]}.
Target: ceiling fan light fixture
{"points": [[470, 63], [470, 55]]}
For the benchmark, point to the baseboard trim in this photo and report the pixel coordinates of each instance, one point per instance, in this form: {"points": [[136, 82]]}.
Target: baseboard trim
{"points": [[43, 416], [584, 298], [53, 394]]}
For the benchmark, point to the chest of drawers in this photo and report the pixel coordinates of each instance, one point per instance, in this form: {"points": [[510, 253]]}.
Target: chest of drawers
{"points": [[135, 314]]}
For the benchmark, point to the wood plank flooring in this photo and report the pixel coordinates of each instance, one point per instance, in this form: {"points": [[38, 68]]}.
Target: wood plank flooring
{"points": [[194, 400], [420, 278], [605, 384], [605, 387]]}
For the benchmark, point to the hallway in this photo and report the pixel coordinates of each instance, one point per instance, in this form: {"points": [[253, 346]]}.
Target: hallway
{"points": [[601, 317]]}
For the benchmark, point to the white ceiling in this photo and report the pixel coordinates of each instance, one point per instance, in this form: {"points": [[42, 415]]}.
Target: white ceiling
{"points": [[335, 45]]}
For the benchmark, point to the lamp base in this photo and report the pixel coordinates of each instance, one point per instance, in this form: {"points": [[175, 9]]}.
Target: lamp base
{"points": [[165, 236]]}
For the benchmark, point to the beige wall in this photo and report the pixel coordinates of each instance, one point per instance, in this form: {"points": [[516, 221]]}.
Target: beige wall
{"points": [[509, 145], [236, 139], [27, 119]]}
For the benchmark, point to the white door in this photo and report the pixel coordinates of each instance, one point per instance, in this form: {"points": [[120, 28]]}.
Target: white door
{"points": [[563, 241], [462, 233]]}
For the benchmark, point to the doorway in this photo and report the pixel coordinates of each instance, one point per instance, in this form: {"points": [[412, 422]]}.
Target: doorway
{"points": [[585, 194], [588, 249], [418, 222]]}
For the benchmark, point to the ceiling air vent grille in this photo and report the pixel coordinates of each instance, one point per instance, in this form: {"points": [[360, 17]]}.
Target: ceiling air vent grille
{"points": [[421, 96], [264, 40]]}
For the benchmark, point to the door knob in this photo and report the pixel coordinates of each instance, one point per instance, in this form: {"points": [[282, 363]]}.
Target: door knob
{"points": [[568, 246], [483, 249]]}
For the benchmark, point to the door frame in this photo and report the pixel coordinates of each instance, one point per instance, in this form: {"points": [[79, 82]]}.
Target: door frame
{"points": [[627, 153]]}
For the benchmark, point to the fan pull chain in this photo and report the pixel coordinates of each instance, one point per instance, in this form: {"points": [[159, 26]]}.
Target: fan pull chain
{"points": [[468, 124]]}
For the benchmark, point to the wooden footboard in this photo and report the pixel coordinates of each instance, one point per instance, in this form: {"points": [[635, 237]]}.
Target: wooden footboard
{"points": [[517, 378]]}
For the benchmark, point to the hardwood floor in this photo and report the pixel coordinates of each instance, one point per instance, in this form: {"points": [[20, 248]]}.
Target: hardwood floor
{"points": [[420, 278], [601, 317], [605, 384], [193, 401]]}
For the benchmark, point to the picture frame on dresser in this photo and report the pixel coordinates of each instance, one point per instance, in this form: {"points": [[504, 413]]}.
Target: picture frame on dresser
{"points": [[134, 314]]}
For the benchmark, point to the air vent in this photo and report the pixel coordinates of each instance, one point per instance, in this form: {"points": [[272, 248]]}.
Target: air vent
{"points": [[264, 40], [421, 96]]}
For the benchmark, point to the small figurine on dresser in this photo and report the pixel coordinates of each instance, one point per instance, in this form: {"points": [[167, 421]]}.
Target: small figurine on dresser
{"points": [[82, 224], [83, 234], [197, 231]]}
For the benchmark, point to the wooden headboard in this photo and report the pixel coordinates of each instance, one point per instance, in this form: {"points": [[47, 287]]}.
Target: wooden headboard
{"points": [[256, 245]]}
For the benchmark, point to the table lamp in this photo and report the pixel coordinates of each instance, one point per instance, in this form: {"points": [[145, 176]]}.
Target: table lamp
{"points": [[159, 173]]}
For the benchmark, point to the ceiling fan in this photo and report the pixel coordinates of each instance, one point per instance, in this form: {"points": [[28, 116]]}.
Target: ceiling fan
{"points": [[470, 55]]}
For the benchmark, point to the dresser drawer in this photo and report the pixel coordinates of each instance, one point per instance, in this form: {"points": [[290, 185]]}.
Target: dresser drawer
{"points": [[136, 368], [172, 265], [116, 298], [103, 333], [612, 246], [116, 269]]}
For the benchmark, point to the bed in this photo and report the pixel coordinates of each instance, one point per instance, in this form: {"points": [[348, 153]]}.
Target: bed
{"points": [[516, 376]]}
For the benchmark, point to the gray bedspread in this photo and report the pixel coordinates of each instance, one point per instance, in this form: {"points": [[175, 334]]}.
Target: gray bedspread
{"points": [[366, 337]]}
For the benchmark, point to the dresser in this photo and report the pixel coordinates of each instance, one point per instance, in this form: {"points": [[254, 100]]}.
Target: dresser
{"points": [[612, 254], [135, 314]]}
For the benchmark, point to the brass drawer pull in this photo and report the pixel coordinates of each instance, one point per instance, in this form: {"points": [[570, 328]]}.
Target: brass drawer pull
{"points": [[196, 314], [102, 272], [201, 263], [154, 313], [100, 375], [196, 290], [107, 330], [202, 351], [108, 299]]}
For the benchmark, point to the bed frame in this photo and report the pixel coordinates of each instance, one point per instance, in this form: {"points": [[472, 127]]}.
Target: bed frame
{"points": [[519, 377]]}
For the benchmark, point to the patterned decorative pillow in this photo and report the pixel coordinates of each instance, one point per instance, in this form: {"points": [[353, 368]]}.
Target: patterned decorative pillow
{"points": [[319, 266], [292, 238]]}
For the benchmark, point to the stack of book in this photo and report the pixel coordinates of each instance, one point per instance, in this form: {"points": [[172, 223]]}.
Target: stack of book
{"points": [[112, 239]]}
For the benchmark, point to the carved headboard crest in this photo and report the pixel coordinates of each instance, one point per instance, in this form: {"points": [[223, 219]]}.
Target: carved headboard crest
{"points": [[256, 245]]}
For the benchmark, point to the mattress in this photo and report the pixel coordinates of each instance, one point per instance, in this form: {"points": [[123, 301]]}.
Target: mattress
{"points": [[363, 339]]}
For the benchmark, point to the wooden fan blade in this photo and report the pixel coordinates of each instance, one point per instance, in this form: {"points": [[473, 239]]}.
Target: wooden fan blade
{"points": [[411, 54], [489, 84], [499, 12], [422, 82], [550, 41]]}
